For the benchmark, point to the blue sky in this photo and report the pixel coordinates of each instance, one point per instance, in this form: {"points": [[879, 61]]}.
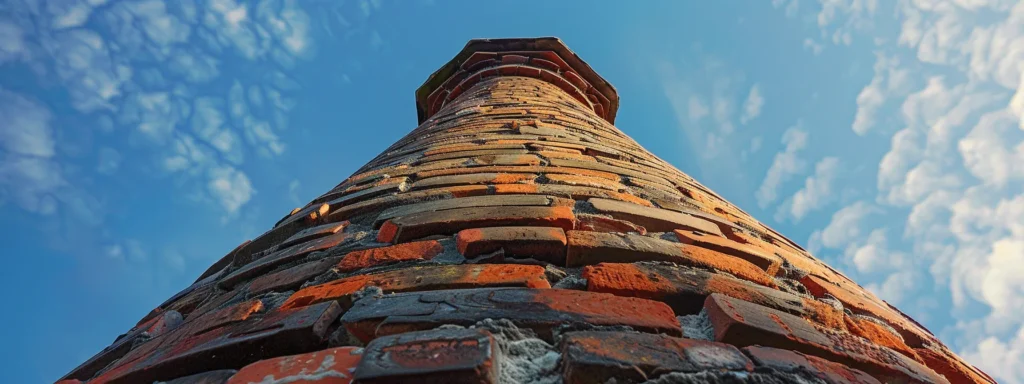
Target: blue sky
{"points": [[141, 141]]}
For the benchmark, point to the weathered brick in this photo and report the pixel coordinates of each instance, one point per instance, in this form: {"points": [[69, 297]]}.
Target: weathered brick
{"points": [[878, 334], [465, 202], [947, 364], [595, 223], [313, 233], [861, 303], [743, 324], [415, 226], [598, 357], [373, 257], [584, 181], [180, 353], [766, 261], [804, 365], [156, 326], [654, 219], [474, 178], [423, 278], [220, 376], [538, 309], [283, 256], [291, 278], [224, 316], [434, 356], [589, 248], [329, 366], [541, 243]]}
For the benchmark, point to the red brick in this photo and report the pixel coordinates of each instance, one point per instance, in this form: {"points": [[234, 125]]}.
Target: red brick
{"points": [[947, 364], [858, 301], [803, 365], [589, 248], [329, 366], [449, 222], [654, 219], [599, 357], [290, 278], [180, 354], [313, 233], [743, 324], [477, 57], [538, 309], [541, 243], [595, 223], [373, 257], [434, 356], [423, 278], [768, 262]]}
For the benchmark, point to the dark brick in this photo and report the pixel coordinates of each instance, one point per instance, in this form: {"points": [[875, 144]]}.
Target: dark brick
{"points": [[654, 219], [540, 243], [423, 278], [599, 357], [538, 309], [313, 233], [435, 356], [465, 202], [180, 353], [291, 278], [419, 225], [156, 326], [812, 366], [743, 324], [211, 377], [283, 256]]}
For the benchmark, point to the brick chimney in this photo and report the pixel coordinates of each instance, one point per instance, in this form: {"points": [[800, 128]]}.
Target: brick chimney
{"points": [[517, 235]]}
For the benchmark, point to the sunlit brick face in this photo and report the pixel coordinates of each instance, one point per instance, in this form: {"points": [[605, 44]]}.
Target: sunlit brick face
{"points": [[517, 235]]}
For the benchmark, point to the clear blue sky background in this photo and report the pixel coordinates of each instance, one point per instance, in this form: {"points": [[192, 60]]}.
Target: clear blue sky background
{"points": [[141, 141]]}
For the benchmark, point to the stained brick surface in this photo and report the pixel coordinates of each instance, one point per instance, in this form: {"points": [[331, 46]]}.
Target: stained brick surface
{"points": [[517, 235]]}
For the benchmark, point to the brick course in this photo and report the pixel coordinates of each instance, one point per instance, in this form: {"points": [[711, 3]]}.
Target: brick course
{"points": [[516, 232]]}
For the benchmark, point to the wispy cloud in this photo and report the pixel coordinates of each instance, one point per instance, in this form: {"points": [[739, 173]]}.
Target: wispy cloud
{"points": [[785, 165], [752, 106], [817, 192]]}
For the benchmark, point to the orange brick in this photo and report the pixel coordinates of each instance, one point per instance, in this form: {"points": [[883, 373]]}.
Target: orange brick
{"points": [[329, 366], [367, 258], [947, 364], [878, 335], [768, 262], [423, 278]]}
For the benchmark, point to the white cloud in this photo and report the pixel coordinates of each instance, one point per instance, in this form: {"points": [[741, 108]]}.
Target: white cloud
{"points": [[890, 80], [29, 175], [293, 191], [818, 189], [785, 165], [698, 109], [752, 106], [230, 187], [954, 168], [844, 227]]}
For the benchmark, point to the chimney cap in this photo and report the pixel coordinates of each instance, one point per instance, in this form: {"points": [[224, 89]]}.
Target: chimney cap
{"points": [[551, 44]]}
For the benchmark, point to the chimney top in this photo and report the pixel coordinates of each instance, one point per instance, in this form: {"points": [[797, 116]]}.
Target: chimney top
{"points": [[546, 58]]}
